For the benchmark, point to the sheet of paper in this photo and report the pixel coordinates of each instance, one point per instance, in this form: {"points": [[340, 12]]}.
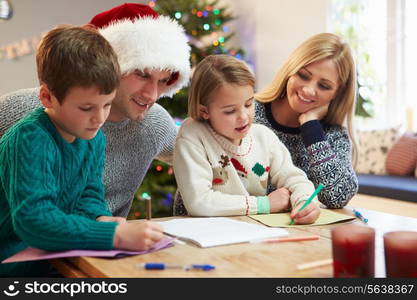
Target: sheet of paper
{"points": [[216, 231], [37, 254], [283, 219]]}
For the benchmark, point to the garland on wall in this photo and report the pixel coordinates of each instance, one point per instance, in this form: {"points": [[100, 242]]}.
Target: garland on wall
{"points": [[14, 50]]}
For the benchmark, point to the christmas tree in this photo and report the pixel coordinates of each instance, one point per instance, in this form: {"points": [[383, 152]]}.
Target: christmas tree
{"points": [[205, 24]]}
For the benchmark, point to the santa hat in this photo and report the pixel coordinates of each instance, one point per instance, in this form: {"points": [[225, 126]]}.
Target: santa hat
{"points": [[143, 39]]}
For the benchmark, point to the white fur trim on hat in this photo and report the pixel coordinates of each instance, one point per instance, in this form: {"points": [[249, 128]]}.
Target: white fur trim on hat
{"points": [[153, 43]]}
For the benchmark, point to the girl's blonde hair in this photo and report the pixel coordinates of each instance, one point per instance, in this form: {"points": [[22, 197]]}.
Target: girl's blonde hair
{"points": [[319, 47], [210, 74]]}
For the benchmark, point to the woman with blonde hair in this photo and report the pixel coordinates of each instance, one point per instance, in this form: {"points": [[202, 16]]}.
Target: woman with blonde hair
{"points": [[309, 105]]}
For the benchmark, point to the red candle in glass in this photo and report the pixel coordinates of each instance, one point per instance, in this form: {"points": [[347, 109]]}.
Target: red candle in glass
{"points": [[353, 249], [401, 253]]}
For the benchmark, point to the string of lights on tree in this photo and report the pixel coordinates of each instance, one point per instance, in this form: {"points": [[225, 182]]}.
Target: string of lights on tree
{"points": [[205, 24]]}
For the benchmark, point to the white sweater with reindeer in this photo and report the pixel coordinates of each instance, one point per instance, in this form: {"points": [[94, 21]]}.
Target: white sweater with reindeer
{"points": [[217, 178]]}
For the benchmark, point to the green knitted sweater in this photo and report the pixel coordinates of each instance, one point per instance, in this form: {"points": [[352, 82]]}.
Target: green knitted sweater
{"points": [[51, 192]]}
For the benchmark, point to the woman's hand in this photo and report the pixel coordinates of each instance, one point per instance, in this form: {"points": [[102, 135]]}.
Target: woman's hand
{"points": [[316, 113]]}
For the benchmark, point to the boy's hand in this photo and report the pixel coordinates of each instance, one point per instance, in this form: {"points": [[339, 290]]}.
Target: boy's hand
{"points": [[111, 219], [279, 200], [137, 236], [308, 215]]}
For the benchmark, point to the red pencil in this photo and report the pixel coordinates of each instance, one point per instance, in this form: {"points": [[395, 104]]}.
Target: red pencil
{"points": [[289, 239]]}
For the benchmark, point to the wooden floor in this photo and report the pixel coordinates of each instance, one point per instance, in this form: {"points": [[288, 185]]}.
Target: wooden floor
{"points": [[387, 205]]}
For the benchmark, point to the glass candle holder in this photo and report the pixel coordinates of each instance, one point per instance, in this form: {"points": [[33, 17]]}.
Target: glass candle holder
{"points": [[353, 248], [401, 253]]}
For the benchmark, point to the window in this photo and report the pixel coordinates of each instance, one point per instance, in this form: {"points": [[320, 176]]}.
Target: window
{"points": [[380, 33], [410, 57]]}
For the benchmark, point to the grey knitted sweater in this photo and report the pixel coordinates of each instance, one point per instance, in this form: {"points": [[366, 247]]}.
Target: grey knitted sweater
{"points": [[322, 151], [131, 145]]}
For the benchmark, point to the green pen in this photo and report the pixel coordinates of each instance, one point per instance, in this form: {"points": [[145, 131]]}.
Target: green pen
{"points": [[318, 189]]}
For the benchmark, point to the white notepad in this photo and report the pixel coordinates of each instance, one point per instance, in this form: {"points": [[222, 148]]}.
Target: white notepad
{"points": [[216, 231]]}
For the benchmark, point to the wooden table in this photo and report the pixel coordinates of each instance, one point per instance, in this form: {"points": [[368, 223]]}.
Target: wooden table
{"points": [[388, 205], [240, 260]]}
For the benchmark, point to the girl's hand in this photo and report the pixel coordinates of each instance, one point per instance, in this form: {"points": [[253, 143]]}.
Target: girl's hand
{"points": [[279, 200], [308, 215], [316, 113]]}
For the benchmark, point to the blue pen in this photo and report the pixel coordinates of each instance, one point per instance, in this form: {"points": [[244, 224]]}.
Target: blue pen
{"points": [[203, 267], [162, 266], [360, 216]]}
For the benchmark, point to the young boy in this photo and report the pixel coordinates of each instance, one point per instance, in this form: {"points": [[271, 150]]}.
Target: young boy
{"points": [[51, 161]]}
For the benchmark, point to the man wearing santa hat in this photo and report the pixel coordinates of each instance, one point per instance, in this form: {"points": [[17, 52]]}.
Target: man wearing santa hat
{"points": [[153, 54]]}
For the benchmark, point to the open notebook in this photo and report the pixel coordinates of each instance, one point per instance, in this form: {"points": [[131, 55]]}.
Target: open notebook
{"points": [[216, 231]]}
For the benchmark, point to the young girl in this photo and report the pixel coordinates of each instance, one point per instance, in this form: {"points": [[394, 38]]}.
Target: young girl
{"points": [[309, 106], [222, 162]]}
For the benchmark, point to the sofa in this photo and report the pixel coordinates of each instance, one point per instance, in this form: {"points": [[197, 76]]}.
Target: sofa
{"points": [[389, 186], [387, 163]]}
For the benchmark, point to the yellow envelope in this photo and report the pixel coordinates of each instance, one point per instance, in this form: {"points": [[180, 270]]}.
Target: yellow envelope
{"points": [[327, 216]]}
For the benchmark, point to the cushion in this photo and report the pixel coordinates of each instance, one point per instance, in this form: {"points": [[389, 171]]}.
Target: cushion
{"points": [[373, 149], [415, 171], [402, 157]]}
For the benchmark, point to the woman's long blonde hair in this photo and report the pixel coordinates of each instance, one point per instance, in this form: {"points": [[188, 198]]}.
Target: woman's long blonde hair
{"points": [[318, 47]]}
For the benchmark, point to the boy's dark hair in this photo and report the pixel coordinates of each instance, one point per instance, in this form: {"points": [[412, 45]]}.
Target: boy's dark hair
{"points": [[76, 56]]}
